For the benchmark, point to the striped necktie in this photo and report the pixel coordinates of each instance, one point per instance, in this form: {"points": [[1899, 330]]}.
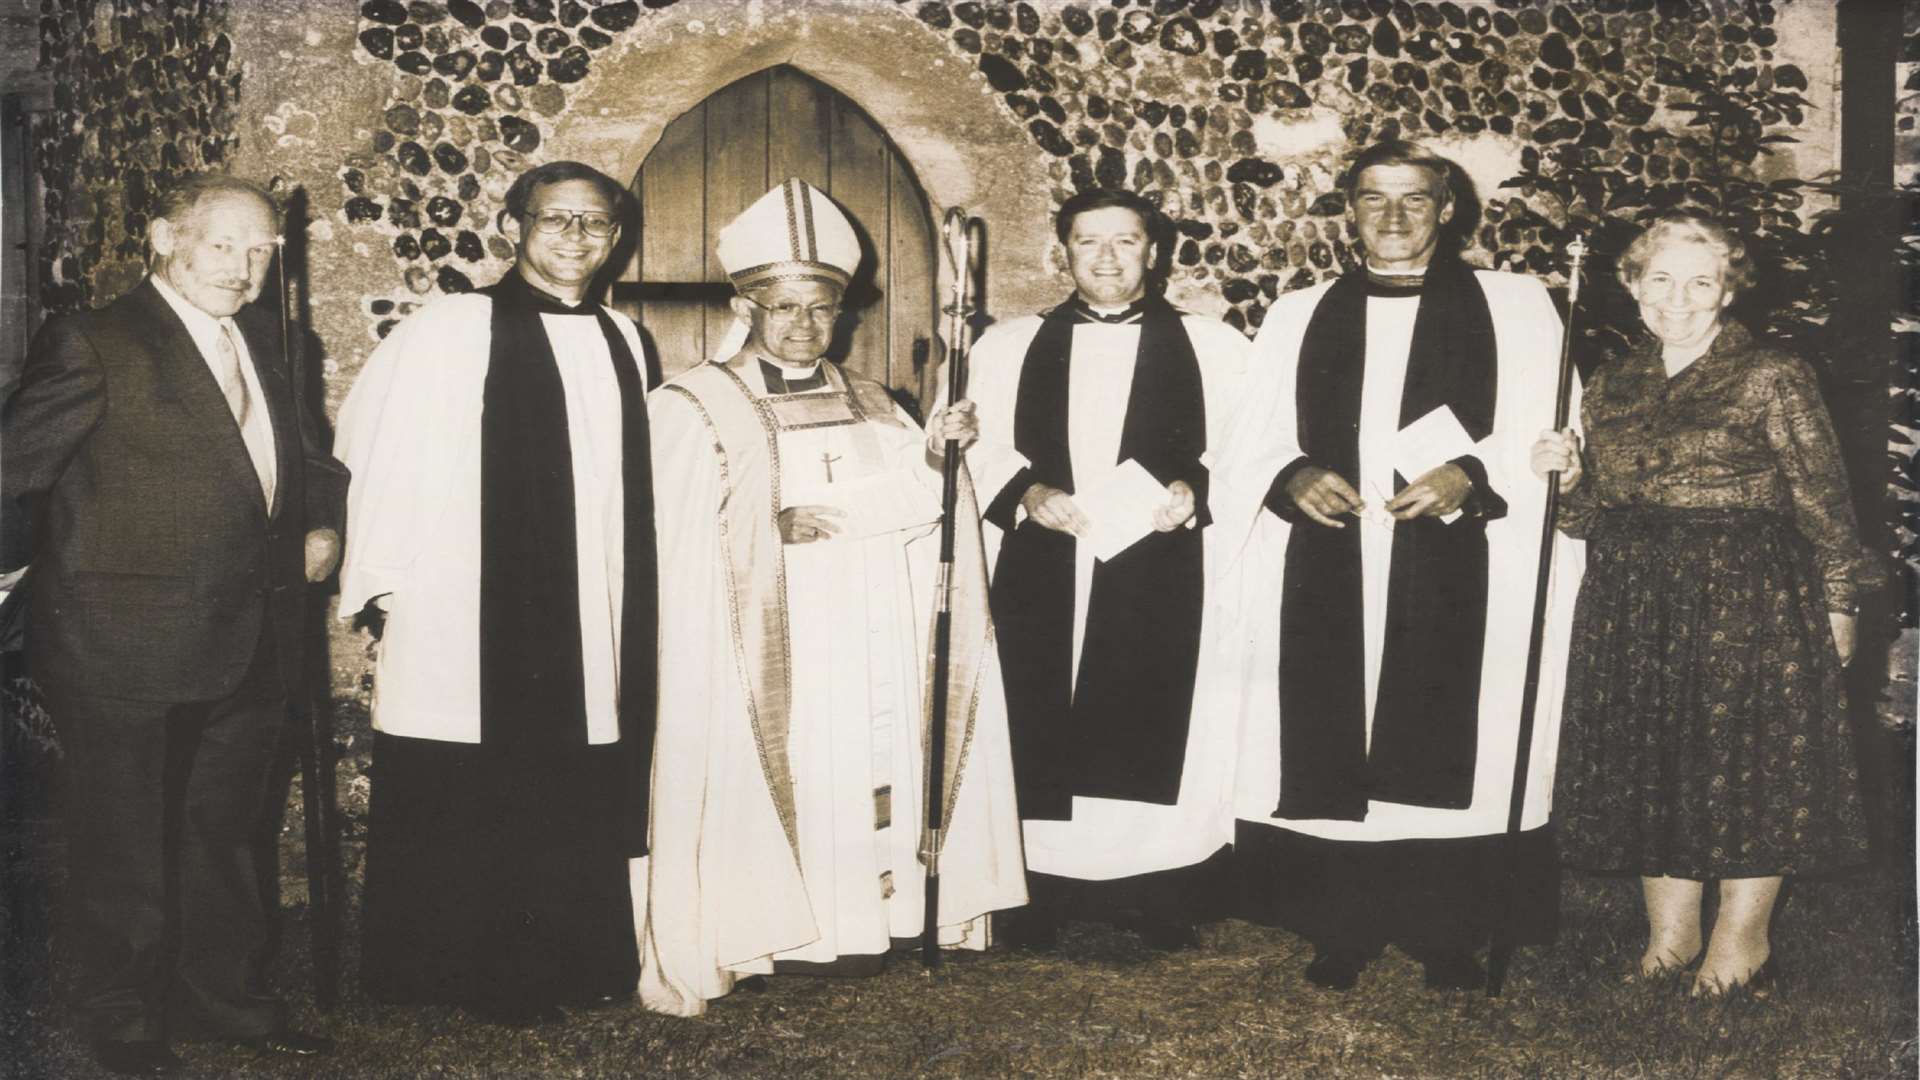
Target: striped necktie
{"points": [[255, 429]]}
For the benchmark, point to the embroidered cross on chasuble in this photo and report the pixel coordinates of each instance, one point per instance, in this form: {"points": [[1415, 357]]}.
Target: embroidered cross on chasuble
{"points": [[811, 410], [799, 412]]}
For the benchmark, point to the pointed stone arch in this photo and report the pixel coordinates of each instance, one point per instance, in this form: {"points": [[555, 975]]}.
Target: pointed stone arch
{"points": [[717, 157], [945, 123]]}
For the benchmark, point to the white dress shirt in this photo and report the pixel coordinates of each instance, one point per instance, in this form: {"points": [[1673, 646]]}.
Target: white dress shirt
{"points": [[205, 330]]}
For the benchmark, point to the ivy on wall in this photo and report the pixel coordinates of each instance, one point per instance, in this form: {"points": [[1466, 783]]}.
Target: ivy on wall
{"points": [[1903, 447], [143, 92]]}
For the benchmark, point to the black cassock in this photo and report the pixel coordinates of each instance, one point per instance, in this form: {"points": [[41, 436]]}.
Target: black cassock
{"points": [[1116, 728], [497, 871]]}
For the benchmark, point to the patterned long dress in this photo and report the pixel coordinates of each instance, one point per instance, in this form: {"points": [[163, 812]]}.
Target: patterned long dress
{"points": [[1706, 732]]}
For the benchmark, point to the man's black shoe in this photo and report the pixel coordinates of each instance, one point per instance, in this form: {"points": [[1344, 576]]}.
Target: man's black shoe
{"points": [[143, 1058], [291, 1043], [1027, 929], [1453, 969], [1165, 935], [1337, 970], [516, 1014]]}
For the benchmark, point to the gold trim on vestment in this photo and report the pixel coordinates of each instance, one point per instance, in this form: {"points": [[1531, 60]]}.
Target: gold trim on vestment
{"points": [[788, 270], [795, 412], [760, 644], [968, 622], [765, 665]]}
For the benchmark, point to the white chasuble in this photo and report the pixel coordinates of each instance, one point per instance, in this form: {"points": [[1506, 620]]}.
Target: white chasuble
{"points": [[1114, 838], [410, 432], [1527, 340], [729, 890]]}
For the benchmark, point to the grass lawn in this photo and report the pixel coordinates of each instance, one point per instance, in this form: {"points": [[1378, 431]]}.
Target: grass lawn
{"points": [[1105, 1006]]}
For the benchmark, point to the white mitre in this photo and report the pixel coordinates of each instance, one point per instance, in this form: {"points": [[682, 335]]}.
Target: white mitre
{"points": [[792, 233]]}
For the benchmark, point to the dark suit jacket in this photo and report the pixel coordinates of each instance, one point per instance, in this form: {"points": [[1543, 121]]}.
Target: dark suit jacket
{"points": [[125, 482]]}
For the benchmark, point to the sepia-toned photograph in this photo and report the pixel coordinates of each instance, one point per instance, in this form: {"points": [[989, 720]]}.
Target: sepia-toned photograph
{"points": [[959, 538]]}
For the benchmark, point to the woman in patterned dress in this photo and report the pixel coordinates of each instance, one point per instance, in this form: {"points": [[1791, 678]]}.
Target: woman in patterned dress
{"points": [[1706, 734]]}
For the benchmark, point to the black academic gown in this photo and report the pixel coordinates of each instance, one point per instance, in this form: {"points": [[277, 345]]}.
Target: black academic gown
{"points": [[497, 872]]}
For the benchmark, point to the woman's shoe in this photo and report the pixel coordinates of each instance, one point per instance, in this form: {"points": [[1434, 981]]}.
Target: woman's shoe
{"points": [[1666, 971], [1758, 984]]}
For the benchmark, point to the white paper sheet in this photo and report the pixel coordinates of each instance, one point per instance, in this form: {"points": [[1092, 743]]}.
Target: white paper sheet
{"points": [[1120, 505], [1428, 443], [871, 505]]}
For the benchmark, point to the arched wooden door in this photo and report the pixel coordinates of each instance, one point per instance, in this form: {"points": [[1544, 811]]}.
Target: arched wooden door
{"points": [[717, 158]]}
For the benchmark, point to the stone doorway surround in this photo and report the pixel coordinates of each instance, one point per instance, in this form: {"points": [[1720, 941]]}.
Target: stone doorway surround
{"points": [[939, 111], [726, 153]]}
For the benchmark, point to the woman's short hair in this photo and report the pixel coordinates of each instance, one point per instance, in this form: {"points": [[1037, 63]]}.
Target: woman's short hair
{"points": [[1684, 228]]}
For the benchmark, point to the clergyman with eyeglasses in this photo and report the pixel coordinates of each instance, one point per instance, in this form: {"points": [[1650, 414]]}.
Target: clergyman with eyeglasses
{"points": [[798, 546], [501, 531]]}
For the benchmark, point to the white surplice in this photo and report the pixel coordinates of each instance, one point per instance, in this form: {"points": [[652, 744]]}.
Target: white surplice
{"points": [[1113, 838], [724, 896], [1527, 336], [410, 433]]}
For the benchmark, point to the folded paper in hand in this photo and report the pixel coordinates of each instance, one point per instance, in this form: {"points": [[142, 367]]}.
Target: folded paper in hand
{"points": [[882, 502], [1120, 505], [1428, 443]]}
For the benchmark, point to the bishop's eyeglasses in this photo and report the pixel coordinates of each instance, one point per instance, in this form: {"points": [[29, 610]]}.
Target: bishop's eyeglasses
{"points": [[787, 311], [592, 222]]}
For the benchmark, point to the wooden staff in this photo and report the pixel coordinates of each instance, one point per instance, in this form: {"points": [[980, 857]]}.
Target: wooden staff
{"points": [[957, 230], [316, 742], [1500, 953]]}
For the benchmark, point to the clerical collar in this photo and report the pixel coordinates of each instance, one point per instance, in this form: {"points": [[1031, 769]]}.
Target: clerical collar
{"points": [[784, 380], [517, 290], [1084, 312], [1391, 284]]}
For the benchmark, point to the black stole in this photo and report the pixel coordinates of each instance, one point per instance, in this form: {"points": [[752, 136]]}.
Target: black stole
{"points": [[1426, 714], [532, 700], [1123, 734]]}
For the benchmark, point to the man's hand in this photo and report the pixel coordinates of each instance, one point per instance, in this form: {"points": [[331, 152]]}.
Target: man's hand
{"points": [[805, 524], [1055, 509], [1180, 507], [323, 553], [1558, 451], [957, 422], [1323, 496], [1438, 492], [1843, 629]]}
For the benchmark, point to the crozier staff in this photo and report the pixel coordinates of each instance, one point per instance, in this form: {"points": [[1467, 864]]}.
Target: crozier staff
{"points": [[1706, 731]]}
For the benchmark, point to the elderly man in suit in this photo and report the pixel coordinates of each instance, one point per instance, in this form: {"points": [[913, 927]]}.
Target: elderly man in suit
{"points": [[166, 485]]}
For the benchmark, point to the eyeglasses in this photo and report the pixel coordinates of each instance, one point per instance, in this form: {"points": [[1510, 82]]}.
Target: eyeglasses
{"points": [[592, 222], [787, 311]]}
